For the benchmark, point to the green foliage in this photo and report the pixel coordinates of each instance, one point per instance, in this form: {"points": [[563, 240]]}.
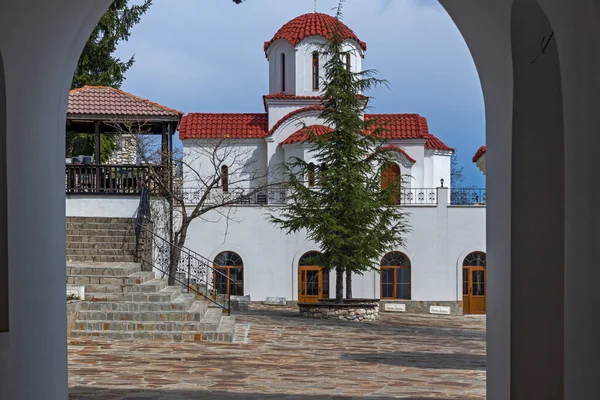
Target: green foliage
{"points": [[353, 219], [97, 66]]}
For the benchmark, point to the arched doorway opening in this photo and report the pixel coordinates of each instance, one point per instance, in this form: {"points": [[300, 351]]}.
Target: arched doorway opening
{"points": [[313, 282], [473, 283], [231, 266], [395, 276], [391, 176]]}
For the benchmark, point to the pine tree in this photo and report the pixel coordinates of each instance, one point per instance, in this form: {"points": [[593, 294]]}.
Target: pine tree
{"points": [[350, 215]]}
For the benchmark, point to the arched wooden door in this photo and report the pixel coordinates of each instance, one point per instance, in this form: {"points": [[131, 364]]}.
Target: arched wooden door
{"points": [[313, 282], [229, 265], [474, 285], [390, 175], [395, 276]]}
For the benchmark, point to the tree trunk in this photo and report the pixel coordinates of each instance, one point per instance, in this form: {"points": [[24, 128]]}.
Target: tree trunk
{"points": [[176, 252], [339, 285], [348, 283]]}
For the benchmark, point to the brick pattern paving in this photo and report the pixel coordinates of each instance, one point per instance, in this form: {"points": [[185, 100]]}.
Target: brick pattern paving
{"points": [[284, 356]]}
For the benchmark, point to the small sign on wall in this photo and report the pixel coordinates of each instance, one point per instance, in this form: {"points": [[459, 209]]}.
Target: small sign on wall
{"points": [[439, 310], [76, 291], [394, 307]]}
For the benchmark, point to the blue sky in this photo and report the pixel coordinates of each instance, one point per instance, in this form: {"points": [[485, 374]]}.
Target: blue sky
{"points": [[207, 56]]}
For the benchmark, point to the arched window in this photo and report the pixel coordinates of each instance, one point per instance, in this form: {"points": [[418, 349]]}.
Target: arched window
{"points": [[311, 175], [229, 274], [390, 175], [315, 71], [395, 276], [313, 282], [225, 178], [348, 62], [475, 259], [283, 72]]}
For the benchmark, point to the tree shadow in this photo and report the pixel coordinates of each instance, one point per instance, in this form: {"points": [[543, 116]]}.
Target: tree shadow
{"points": [[86, 393], [459, 361]]}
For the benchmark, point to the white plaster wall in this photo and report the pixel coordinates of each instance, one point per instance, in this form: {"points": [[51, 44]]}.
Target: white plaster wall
{"points": [[440, 168], [440, 239], [415, 174], [275, 71], [102, 206]]}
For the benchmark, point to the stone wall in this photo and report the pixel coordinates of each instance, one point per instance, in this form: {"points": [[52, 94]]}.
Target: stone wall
{"points": [[72, 314], [354, 311]]}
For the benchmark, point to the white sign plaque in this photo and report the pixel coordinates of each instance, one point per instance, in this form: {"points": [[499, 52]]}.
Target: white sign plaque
{"points": [[439, 310], [394, 307]]}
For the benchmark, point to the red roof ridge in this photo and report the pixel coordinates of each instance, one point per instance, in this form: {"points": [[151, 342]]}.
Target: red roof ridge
{"points": [[171, 110], [480, 152], [291, 114], [302, 134], [312, 24], [399, 150]]}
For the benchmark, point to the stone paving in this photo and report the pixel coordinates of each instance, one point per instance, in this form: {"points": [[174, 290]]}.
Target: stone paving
{"points": [[285, 356]]}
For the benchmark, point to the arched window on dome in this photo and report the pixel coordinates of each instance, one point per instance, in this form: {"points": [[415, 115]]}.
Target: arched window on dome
{"points": [[311, 178], [348, 62], [225, 178], [283, 72], [315, 70]]}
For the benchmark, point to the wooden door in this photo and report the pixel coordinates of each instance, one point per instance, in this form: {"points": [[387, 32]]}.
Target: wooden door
{"points": [[474, 290], [390, 175], [313, 284]]}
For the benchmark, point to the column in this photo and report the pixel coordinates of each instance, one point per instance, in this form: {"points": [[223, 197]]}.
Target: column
{"points": [[40, 42]]}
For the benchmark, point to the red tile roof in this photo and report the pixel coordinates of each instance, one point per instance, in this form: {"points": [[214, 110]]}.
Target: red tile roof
{"points": [[285, 96], [405, 126], [313, 24], [292, 114], [220, 126], [107, 101], [479, 154], [399, 150], [304, 134]]}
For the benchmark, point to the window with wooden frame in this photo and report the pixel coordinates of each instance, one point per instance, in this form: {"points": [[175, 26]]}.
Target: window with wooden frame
{"points": [[225, 178], [315, 71], [310, 175], [348, 62], [395, 276], [283, 72], [229, 274]]}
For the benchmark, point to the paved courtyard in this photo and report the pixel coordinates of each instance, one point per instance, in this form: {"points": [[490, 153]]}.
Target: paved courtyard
{"points": [[288, 357]]}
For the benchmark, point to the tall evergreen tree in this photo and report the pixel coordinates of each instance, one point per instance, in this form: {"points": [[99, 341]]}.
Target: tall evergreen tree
{"points": [[350, 215], [99, 67]]}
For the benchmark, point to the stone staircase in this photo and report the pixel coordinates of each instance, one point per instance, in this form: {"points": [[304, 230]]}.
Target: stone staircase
{"points": [[124, 302]]}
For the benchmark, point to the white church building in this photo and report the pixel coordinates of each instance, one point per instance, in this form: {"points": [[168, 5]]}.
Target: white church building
{"points": [[441, 268]]}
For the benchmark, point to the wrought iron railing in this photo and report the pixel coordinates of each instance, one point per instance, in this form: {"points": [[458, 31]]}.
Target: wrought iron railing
{"points": [[269, 196], [418, 196], [193, 271], [106, 179], [467, 197]]}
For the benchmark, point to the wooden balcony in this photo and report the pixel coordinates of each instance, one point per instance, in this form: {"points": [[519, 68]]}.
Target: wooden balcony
{"points": [[106, 179]]}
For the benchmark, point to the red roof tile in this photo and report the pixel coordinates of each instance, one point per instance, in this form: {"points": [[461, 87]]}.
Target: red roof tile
{"points": [[107, 101], [292, 114], [479, 154], [399, 150], [313, 24], [405, 126], [304, 134], [220, 126]]}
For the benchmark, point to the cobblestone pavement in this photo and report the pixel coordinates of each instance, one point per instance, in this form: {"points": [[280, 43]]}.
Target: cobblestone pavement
{"points": [[288, 357]]}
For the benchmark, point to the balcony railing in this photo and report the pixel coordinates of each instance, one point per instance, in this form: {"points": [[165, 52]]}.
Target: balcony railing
{"points": [[467, 197], [106, 179]]}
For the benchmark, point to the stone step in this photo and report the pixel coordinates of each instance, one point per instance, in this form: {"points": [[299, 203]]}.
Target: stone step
{"points": [[181, 303], [151, 286], [112, 259], [103, 269], [211, 319], [101, 225], [134, 279], [98, 252], [152, 326], [123, 246], [148, 335], [164, 296], [140, 316], [100, 239], [100, 232], [102, 220]]}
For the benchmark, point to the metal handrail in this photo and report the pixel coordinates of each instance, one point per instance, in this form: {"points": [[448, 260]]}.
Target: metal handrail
{"points": [[197, 269]]}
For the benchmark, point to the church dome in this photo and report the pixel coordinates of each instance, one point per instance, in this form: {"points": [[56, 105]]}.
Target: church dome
{"points": [[313, 24]]}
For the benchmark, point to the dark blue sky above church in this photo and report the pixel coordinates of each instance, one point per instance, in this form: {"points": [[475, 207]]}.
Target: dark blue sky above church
{"points": [[207, 56]]}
